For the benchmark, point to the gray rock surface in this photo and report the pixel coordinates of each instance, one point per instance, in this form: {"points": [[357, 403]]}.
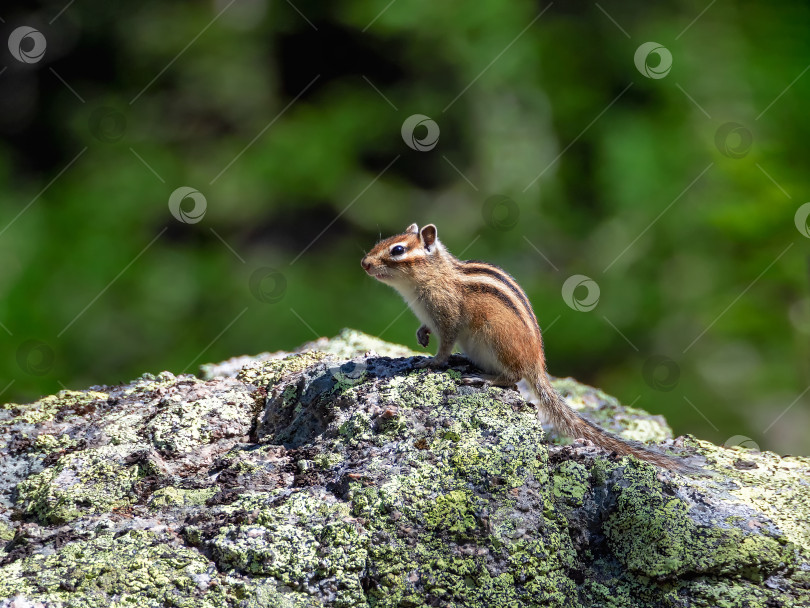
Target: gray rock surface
{"points": [[341, 475]]}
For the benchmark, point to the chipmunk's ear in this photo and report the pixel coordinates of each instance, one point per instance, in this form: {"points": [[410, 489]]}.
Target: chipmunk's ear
{"points": [[412, 229], [429, 236]]}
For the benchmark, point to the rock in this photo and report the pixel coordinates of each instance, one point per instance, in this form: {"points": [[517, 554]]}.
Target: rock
{"points": [[340, 475]]}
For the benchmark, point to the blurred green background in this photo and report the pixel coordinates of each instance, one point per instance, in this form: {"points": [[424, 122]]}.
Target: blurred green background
{"points": [[678, 193]]}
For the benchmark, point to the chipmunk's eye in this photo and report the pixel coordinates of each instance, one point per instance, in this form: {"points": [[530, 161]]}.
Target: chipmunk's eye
{"points": [[398, 250]]}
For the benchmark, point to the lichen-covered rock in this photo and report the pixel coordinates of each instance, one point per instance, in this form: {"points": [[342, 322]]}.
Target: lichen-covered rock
{"points": [[341, 475]]}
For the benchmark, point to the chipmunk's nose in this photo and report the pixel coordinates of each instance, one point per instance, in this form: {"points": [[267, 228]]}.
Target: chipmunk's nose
{"points": [[365, 264]]}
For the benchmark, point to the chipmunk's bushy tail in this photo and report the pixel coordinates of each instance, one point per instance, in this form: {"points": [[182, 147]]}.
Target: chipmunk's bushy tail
{"points": [[569, 422]]}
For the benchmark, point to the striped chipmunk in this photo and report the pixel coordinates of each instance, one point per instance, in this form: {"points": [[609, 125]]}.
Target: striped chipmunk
{"points": [[482, 308]]}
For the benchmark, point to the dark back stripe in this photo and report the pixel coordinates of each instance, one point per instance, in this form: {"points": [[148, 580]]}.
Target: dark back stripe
{"points": [[473, 267], [494, 291]]}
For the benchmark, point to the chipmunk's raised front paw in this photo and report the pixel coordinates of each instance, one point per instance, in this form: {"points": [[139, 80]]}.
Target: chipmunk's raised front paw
{"points": [[423, 336]]}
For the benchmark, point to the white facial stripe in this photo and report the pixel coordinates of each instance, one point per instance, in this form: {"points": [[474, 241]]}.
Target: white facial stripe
{"points": [[416, 253], [408, 254]]}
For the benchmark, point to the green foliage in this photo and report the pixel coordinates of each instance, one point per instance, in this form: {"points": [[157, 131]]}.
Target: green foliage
{"points": [[285, 117]]}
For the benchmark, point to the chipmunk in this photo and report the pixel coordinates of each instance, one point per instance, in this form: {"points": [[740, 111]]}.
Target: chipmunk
{"points": [[483, 308]]}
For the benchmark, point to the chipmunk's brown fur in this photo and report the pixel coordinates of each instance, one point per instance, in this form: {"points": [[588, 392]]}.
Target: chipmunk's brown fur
{"points": [[481, 307]]}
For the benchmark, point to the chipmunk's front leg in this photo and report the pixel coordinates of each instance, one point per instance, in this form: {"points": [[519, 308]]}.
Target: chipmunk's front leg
{"points": [[447, 339]]}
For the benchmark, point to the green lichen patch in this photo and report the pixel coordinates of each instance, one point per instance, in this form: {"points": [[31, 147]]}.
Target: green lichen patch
{"points": [[47, 443], [637, 425], [79, 483], [484, 448], [571, 482], [135, 569], [773, 485], [74, 402], [329, 460], [148, 384], [421, 388], [356, 429], [268, 373], [459, 526], [735, 593], [463, 555], [178, 497], [452, 512], [652, 533], [306, 543], [182, 427], [124, 427]]}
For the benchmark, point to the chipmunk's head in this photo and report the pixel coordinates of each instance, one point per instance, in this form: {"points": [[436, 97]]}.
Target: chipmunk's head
{"points": [[399, 258]]}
